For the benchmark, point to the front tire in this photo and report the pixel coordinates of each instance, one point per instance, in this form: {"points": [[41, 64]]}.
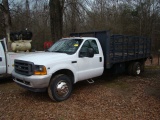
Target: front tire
{"points": [[60, 88]]}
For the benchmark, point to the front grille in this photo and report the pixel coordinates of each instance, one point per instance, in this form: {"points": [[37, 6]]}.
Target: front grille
{"points": [[24, 67]]}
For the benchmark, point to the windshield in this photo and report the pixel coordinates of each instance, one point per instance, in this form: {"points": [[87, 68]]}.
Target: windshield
{"points": [[68, 46]]}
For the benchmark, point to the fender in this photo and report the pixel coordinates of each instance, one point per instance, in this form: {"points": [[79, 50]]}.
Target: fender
{"points": [[58, 67]]}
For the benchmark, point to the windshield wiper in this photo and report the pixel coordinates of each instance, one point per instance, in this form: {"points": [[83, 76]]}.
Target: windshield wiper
{"points": [[47, 50], [59, 51]]}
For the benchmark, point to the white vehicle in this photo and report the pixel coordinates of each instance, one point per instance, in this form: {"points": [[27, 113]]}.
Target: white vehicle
{"points": [[7, 59], [75, 59]]}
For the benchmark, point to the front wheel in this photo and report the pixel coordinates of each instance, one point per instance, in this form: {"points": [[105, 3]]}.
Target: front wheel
{"points": [[60, 87]]}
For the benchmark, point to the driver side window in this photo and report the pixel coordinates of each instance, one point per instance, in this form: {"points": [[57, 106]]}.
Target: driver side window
{"points": [[88, 44], [84, 49], [94, 46]]}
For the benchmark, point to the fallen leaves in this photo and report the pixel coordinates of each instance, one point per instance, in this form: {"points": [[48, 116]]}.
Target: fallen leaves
{"points": [[122, 97]]}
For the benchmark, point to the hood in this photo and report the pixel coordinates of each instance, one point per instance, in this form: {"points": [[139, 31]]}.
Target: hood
{"points": [[44, 57]]}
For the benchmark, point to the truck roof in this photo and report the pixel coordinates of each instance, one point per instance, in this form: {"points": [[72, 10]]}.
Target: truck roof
{"points": [[79, 37]]}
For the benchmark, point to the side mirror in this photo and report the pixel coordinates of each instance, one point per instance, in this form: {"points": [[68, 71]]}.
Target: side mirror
{"points": [[86, 52], [90, 52]]}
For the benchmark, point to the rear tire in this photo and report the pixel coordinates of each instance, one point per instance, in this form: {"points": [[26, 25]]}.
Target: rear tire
{"points": [[60, 88], [136, 69]]}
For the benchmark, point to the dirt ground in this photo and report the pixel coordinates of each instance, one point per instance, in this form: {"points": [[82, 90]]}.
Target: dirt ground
{"points": [[119, 97]]}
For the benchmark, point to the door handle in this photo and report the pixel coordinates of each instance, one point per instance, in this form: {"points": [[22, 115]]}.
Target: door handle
{"points": [[74, 61], [100, 59]]}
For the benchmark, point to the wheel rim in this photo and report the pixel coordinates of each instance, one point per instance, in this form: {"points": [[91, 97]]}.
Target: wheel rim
{"points": [[62, 89], [138, 71]]}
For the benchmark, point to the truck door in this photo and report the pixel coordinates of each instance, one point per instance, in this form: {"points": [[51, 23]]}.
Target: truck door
{"points": [[90, 67], [2, 58]]}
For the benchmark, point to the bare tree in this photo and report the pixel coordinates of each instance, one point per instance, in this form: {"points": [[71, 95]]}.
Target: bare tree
{"points": [[4, 6], [27, 13], [75, 16], [2, 27], [56, 18]]}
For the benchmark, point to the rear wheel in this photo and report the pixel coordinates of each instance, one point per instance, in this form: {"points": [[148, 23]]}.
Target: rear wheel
{"points": [[136, 69], [60, 88]]}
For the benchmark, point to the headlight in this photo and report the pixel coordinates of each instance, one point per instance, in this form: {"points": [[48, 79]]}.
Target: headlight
{"points": [[40, 70]]}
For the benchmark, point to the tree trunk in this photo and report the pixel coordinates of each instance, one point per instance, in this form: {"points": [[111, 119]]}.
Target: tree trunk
{"points": [[5, 8], [73, 16], [27, 14], [56, 18]]}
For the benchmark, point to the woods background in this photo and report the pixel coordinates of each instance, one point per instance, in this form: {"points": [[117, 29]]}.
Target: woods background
{"points": [[50, 20]]}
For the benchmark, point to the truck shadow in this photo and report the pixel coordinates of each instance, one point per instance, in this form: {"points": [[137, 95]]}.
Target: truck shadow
{"points": [[79, 87], [105, 78], [35, 96], [6, 79]]}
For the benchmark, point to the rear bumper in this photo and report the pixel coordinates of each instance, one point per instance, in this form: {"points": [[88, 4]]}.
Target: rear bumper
{"points": [[36, 83]]}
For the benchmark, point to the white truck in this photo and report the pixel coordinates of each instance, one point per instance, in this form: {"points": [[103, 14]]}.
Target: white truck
{"points": [[7, 59], [79, 58]]}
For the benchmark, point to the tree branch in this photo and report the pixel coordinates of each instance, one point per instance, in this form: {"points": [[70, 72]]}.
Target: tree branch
{"points": [[2, 8]]}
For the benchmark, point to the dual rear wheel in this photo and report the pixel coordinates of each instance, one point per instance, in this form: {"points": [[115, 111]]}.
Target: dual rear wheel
{"points": [[135, 68]]}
